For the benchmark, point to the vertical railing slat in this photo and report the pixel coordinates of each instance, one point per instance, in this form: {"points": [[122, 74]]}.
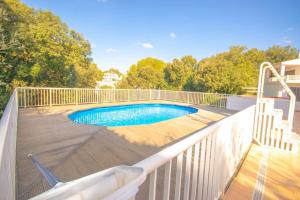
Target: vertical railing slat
{"points": [[195, 171], [167, 180], [187, 174], [152, 185], [178, 176]]}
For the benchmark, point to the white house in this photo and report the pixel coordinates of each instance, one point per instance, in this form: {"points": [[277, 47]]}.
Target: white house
{"points": [[290, 71], [109, 80]]}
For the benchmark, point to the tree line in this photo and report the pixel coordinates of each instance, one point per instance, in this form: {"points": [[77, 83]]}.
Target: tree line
{"points": [[227, 72], [38, 49]]}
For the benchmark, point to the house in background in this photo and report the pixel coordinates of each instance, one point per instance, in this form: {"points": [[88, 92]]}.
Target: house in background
{"points": [[290, 71], [110, 79]]}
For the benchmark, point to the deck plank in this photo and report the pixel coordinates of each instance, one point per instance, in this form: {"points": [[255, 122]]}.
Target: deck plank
{"points": [[282, 179]]}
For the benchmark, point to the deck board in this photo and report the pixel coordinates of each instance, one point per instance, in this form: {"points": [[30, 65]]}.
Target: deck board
{"points": [[72, 151], [282, 178]]}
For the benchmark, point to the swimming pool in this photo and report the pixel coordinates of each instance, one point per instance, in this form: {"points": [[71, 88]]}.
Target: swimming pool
{"points": [[128, 115]]}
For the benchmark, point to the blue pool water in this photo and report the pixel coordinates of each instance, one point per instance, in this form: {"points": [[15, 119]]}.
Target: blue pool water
{"points": [[128, 115]]}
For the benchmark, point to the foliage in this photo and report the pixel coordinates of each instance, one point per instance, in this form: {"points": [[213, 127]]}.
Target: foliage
{"points": [[230, 71], [147, 73], [276, 54], [227, 72], [38, 49], [114, 71], [179, 71], [9, 46]]}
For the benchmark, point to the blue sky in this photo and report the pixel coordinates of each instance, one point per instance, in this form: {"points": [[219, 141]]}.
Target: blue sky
{"points": [[124, 31]]}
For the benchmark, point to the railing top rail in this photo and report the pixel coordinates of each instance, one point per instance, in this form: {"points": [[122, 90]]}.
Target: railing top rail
{"points": [[58, 88], [3, 123], [267, 65], [160, 158]]}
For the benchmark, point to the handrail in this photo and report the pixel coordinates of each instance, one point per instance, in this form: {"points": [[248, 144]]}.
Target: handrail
{"points": [[8, 136], [217, 150], [263, 67], [160, 158]]}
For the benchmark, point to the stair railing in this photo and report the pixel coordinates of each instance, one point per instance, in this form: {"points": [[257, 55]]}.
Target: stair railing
{"points": [[260, 90]]}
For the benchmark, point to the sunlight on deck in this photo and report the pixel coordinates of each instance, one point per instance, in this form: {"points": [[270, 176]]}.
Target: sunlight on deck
{"points": [[282, 179]]}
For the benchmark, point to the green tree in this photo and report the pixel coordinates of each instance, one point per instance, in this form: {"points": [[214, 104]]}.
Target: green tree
{"points": [[227, 72], [9, 47], [276, 54], [115, 71], [179, 71], [38, 49], [147, 73]]}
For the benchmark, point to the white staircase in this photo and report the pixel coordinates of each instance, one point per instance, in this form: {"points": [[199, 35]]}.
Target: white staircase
{"points": [[270, 129]]}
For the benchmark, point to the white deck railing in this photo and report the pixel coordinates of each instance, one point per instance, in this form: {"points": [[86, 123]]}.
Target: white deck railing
{"points": [[31, 96], [205, 161], [212, 153], [8, 136]]}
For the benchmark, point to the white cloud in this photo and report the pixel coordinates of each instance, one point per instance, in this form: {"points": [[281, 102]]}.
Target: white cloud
{"points": [[147, 45], [102, 1], [290, 29], [287, 40], [172, 35], [110, 50]]}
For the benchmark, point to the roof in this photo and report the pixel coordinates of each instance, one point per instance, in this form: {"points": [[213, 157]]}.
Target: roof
{"points": [[292, 62]]}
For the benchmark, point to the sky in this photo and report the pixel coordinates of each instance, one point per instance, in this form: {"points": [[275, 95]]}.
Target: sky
{"points": [[121, 32]]}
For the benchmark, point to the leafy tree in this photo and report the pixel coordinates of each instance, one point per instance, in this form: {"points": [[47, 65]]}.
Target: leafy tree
{"points": [[276, 54], [115, 71], [227, 72], [179, 71], [9, 46], [147, 73], [38, 49]]}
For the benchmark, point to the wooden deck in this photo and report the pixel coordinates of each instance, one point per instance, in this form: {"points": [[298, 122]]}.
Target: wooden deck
{"points": [[72, 151], [282, 178]]}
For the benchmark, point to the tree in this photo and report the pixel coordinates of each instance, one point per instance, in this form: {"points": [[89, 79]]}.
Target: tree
{"points": [[52, 54], [9, 46], [179, 71], [227, 72], [147, 73], [276, 54], [114, 71], [38, 49]]}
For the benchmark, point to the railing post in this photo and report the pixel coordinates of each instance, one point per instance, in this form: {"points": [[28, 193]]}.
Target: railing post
{"points": [[150, 95], [114, 95], [25, 98], [188, 97], [159, 94], [50, 95], [97, 93], [128, 94], [76, 91]]}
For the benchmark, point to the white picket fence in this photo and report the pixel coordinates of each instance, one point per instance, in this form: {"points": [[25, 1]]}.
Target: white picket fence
{"points": [[31, 96], [8, 136]]}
